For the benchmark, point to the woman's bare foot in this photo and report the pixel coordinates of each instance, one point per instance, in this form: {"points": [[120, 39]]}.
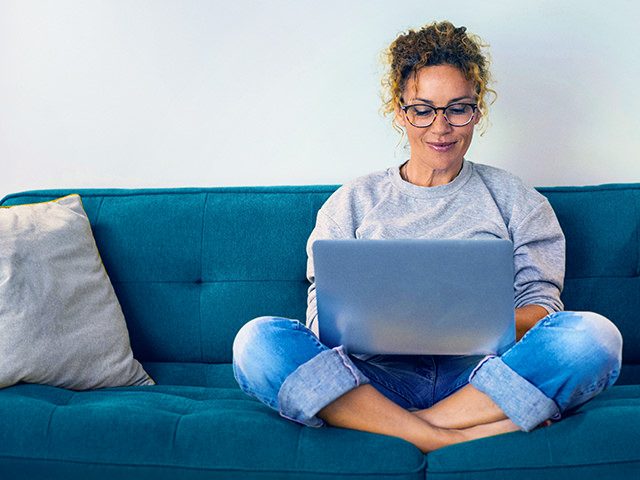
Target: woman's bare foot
{"points": [[443, 437], [490, 429], [451, 423], [465, 408], [427, 417]]}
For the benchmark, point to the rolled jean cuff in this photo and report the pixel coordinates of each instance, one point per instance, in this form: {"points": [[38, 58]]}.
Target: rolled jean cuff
{"points": [[521, 401], [316, 383]]}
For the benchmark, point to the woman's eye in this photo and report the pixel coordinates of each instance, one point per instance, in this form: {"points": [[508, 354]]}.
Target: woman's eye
{"points": [[457, 109], [423, 111]]}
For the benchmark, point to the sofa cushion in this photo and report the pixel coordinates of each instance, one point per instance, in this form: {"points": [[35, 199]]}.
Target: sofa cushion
{"points": [[180, 432], [60, 321], [194, 432], [598, 440]]}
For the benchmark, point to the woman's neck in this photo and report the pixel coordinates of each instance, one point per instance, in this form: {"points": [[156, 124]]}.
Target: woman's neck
{"points": [[428, 177]]}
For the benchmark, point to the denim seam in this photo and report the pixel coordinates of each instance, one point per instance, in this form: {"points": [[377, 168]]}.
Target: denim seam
{"points": [[299, 326], [435, 377], [482, 362], [347, 362]]}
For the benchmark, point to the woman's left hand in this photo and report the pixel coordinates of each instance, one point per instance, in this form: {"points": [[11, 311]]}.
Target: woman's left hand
{"points": [[527, 317]]}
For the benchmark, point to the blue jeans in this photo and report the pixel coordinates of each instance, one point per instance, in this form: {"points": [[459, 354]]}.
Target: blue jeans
{"points": [[564, 361]]}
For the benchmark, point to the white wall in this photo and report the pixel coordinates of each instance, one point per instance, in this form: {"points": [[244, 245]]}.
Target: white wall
{"points": [[142, 93]]}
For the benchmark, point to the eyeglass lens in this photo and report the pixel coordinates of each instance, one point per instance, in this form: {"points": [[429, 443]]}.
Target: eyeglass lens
{"points": [[457, 114]]}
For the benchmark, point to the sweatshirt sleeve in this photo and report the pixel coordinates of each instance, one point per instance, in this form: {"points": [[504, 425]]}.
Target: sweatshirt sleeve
{"points": [[539, 259], [326, 228]]}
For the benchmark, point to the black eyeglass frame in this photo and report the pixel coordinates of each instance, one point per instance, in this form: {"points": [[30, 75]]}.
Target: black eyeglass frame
{"points": [[474, 106]]}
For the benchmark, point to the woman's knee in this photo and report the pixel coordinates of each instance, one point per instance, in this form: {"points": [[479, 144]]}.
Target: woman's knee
{"points": [[604, 332], [268, 349], [257, 337], [256, 356], [589, 335]]}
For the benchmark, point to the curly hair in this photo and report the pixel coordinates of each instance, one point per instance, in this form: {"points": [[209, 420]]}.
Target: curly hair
{"points": [[437, 43]]}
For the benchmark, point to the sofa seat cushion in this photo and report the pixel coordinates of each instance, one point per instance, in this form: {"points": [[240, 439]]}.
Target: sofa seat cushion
{"points": [[598, 440], [166, 431]]}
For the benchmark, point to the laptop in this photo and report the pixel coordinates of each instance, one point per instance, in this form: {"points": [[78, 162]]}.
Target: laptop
{"points": [[415, 296]]}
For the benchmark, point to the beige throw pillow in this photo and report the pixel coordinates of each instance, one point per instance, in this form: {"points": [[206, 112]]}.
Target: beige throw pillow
{"points": [[60, 321]]}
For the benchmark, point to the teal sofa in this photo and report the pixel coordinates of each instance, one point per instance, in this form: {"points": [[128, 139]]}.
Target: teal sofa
{"points": [[190, 266]]}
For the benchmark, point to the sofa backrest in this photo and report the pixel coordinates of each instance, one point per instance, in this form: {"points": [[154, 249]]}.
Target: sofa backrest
{"points": [[190, 266], [601, 224]]}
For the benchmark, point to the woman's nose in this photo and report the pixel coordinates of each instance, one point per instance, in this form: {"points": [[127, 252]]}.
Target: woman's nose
{"points": [[440, 124]]}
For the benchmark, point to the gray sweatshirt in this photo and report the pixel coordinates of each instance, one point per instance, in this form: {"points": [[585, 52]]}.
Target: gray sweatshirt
{"points": [[481, 202]]}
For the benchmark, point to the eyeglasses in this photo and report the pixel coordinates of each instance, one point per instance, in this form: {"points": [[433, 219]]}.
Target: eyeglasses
{"points": [[456, 114]]}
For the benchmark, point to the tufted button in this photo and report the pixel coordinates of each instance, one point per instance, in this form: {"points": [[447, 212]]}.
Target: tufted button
{"points": [[198, 280]]}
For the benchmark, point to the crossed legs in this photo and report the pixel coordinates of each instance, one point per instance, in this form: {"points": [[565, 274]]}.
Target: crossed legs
{"points": [[568, 340], [467, 414], [578, 354]]}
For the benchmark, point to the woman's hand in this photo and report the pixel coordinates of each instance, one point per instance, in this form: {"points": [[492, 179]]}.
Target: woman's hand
{"points": [[527, 317]]}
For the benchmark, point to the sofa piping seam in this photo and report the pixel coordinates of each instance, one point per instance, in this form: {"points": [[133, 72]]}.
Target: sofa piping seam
{"points": [[545, 467], [421, 468], [204, 209]]}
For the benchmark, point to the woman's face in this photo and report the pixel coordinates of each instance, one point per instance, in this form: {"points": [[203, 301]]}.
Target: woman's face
{"points": [[439, 86]]}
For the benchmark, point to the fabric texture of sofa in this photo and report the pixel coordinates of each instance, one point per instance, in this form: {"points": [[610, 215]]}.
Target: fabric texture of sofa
{"points": [[190, 266]]}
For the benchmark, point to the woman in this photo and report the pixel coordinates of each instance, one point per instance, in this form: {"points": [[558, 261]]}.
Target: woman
{"points": [[437, 84]]}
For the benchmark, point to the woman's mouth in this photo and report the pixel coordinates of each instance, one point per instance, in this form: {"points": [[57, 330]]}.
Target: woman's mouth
{"points": [[441, 146]]}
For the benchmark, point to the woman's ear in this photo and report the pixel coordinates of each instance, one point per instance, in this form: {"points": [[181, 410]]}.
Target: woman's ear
{"points": [[477, 117], [399, 118]]}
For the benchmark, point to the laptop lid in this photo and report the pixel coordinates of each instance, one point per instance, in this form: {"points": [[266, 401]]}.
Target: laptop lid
{"points": [[415, 296]]}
